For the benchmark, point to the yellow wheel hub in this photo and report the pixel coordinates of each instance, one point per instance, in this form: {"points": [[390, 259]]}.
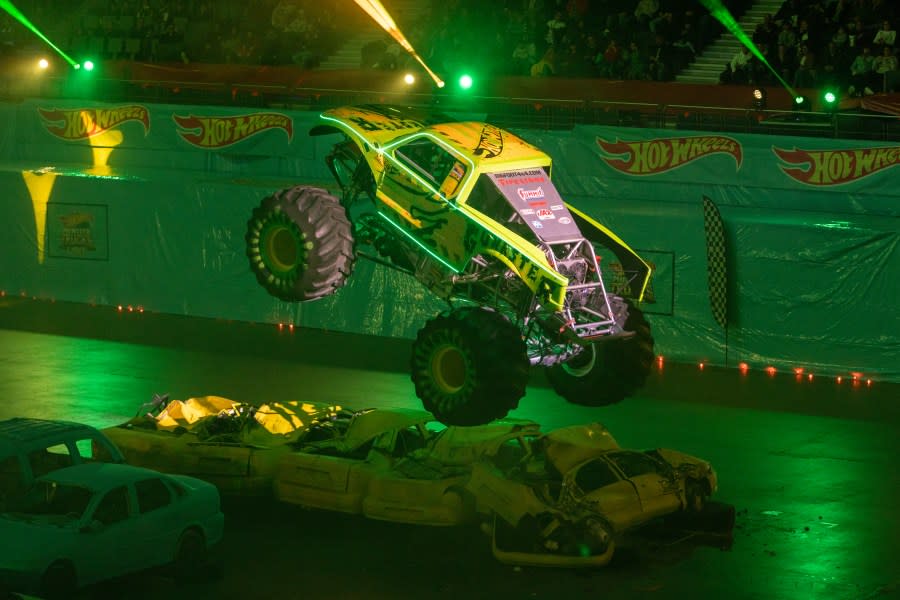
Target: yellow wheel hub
{"points": [[448, 367]]}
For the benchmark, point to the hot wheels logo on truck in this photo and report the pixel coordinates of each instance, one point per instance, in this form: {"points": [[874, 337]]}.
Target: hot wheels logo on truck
{"points": [[650, 157], [219, 132], [84, 123]]}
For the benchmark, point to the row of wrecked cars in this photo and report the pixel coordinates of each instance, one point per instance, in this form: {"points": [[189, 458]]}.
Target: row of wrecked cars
{"points": [[78, 505], [557, 498]]}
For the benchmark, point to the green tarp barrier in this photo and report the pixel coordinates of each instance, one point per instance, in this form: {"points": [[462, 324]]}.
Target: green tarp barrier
{"points": [[146, 205]]}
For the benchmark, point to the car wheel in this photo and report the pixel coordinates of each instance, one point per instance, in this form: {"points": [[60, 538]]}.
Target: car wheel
{"points": [[59, 581], [469, 366], [607, 371], [190, 555], [300, 244]]}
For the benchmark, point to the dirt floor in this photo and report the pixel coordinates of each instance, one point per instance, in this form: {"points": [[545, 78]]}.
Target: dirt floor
{"points": [[809, 469]]}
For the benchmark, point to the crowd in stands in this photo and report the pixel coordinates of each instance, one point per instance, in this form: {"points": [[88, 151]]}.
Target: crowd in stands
{"points": [[615, 39], [848, 45], [263, 32]]}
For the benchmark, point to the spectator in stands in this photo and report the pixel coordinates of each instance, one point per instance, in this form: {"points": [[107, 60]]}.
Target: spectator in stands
{"points": [[759, 73], [556, 28], [635, 62], [805, 75], [833, 65], [609, 63], [886, 36], [787, 40], [766, 32], [861, 73], [523, 56], [546, 66], [883, 65], [645, 11], [659, 65], [840, 38], [738, 70]]}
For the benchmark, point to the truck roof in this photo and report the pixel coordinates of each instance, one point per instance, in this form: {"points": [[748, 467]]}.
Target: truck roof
{"points": [[489, 147]]}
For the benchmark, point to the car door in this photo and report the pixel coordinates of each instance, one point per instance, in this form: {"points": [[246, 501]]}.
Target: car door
{"points": [[420, 176], [598, 483], [658, 496], [106, 546], [158, 524], [331, 482], [224, 465]]}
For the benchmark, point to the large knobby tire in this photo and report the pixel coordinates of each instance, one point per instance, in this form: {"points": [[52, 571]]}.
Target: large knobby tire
{"points": [[607, 371], [300, 244], [469, 366]]}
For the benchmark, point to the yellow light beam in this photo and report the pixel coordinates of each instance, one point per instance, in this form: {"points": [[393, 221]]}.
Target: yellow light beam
{"points": [[381, 16]]}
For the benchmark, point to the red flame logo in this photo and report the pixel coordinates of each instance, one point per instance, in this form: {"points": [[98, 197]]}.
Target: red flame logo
{"points": [[219, 132], [836, 167], [649, 157], [84, 123]]}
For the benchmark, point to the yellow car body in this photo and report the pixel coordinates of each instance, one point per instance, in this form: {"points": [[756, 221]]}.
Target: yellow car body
{"points": [[573, 483]]}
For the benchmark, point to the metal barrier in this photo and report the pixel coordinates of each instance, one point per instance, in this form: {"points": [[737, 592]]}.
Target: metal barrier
{"points": [[510, 112]]}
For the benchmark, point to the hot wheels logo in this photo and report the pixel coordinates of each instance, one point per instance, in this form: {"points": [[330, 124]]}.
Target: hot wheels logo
{"points": [[534, 194], [664, 154], [218, 132], [84, 123], [836, 167]]}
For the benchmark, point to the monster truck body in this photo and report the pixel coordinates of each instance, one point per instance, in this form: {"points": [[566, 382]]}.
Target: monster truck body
{"points": [[470, 211]]}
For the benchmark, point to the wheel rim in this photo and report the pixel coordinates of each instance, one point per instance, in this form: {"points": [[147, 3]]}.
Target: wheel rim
{"points": [[448, 369], [282, 247], [582, 363]]}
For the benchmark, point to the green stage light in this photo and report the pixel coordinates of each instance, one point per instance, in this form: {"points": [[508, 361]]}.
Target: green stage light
{"points": [[799, 100], [830, 97], [88, 65], [719, 12], [18, 16], [465, 81]]}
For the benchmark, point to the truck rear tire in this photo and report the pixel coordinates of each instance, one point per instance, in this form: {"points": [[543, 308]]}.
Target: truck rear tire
{"points": [[300, 244], [608, 371], [469, 366]]}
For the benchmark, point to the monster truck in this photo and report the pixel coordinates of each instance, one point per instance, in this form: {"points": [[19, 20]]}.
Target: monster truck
{"points": [[469, 210]]}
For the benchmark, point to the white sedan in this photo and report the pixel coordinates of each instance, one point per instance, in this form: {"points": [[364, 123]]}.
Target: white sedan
{"points": [[93, 522]]}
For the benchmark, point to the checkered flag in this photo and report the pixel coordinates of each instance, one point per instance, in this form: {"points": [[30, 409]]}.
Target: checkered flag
{"points": [[716, 266]]}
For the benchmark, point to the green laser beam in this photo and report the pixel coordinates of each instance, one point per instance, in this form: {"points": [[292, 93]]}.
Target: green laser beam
{"points": [[16, 14], [723, 16]]}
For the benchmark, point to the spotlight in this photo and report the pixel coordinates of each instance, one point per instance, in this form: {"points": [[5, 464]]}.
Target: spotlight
{"points": [[43, 63], [759, 98], [76, 66], [465, 81], [831, 100], [88, 65], [801, 103], [409, 79]]}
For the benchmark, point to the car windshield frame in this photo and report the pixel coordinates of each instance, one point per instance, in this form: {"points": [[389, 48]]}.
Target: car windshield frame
{"points": [[48, 498]]}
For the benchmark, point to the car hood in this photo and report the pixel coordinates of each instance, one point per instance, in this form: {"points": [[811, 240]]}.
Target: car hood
{"points": [[25, 538]]}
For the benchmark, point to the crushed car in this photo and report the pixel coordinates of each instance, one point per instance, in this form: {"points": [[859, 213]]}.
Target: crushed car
{"points": [[96, 521], [558, 498], [469, 210]]}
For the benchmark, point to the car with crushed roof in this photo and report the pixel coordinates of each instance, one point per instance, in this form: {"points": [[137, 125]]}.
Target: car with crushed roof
{"points": [[559, 498], [313, 454], [470, 211]]}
